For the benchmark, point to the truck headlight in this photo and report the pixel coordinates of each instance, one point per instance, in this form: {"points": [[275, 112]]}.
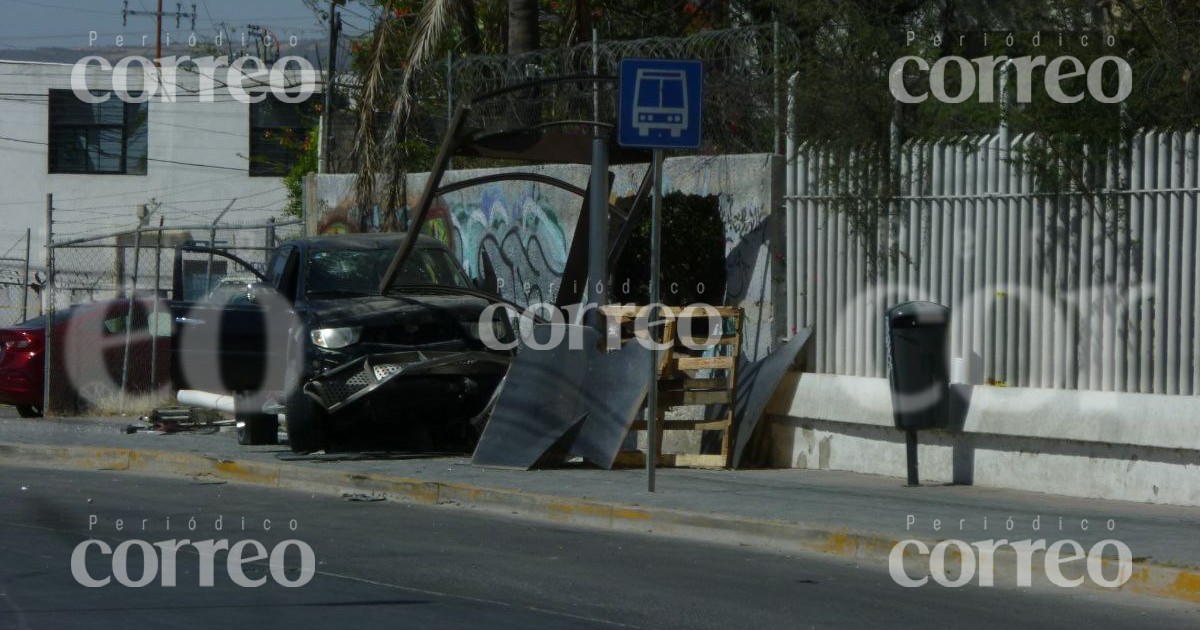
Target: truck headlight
{"points": [[496, 332], [501, 330], [334, 338]]}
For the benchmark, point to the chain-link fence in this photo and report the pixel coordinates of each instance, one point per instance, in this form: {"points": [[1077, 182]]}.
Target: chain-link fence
{"points": [[139, 262], [744, 81], [109, 300], [17, 283]]}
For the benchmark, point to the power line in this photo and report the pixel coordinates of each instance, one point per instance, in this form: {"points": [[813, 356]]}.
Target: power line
{"points": [[159, 15], [373, 17], [60, 35], [148, 159], [238, 198], [208, 14], [172, 187], [108, 34], [9, 250], [59, 6], [211, 99]]}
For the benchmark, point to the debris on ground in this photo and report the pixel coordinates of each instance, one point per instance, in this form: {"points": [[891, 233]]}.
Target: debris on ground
{"points": [[207, 479], [177, 420], [362, 497]]}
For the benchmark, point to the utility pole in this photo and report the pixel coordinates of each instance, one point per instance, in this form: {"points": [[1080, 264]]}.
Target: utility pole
{"points": [[178, 14], [335, 29], [597, 291]]}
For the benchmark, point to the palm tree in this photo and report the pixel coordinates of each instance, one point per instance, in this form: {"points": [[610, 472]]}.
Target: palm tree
{"points": [[432, 24], [522, 26]]}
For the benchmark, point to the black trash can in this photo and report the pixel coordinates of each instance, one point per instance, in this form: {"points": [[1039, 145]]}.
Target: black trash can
{"points": [[918, 361]]}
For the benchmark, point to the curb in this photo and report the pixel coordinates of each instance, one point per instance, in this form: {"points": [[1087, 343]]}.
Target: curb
{"points": [[776, 535]]}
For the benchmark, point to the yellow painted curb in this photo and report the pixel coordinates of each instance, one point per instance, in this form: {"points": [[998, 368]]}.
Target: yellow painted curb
{"points": [[1147, 578], [1177, 583]]}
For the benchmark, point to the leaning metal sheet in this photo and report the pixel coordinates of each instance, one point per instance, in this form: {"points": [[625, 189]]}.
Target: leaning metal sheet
{"points": [[613, 392], [539, 402], [756, 383]]}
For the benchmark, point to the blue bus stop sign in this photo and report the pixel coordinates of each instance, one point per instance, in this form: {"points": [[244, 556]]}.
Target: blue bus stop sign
{"points": [[660, 104]]}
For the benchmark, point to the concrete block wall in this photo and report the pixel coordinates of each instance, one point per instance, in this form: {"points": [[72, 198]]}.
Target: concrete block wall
{"points": [[525, 228]]}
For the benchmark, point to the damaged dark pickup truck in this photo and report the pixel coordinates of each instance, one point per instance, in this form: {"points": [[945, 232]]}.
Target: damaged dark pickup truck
{"points": [[410, 368]]}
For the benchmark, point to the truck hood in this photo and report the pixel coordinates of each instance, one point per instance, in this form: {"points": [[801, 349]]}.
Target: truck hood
{"points": [[410, 320], [381, 309]]}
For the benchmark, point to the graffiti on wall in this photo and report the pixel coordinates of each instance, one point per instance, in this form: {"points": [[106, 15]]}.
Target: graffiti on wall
{"points": [[518, 232], [524, 242], [746, 186], [745, 243]]}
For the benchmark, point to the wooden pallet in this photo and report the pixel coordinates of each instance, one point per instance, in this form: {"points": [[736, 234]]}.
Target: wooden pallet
{"points": [[693, 370]]}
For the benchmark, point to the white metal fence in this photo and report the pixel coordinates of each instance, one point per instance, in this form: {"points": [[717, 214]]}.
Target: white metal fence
{"points": [[1090, 290]]}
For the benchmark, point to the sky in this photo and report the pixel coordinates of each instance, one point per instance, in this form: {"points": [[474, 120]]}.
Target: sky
{"points": [[26, 24]]}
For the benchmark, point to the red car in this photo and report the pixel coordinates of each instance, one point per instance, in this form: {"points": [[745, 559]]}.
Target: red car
{"points": [[88, 354]]}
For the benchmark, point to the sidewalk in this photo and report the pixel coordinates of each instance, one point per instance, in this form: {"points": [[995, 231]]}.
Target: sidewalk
{"points": [[845, 514]]}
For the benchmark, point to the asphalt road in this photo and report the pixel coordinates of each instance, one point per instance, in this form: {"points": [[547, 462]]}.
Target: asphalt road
{"points": [[382, 564]]}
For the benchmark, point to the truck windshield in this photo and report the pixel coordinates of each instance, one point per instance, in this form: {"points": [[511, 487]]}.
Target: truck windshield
{"points": [[359, 271]]}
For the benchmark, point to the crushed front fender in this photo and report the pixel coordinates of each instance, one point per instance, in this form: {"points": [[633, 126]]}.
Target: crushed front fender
{"points": [[383, 375]]}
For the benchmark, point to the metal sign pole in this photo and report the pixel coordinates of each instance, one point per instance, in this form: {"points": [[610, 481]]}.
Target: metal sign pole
{"points": [[660, 108], [655, 297], [910, 452]]}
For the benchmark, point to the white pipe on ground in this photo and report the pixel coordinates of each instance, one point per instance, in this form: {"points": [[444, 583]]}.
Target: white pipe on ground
{"points": [[207, 400]]}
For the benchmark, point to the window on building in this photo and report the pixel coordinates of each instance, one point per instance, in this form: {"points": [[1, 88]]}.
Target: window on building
{"points": [[278, 133], [106, 138]]}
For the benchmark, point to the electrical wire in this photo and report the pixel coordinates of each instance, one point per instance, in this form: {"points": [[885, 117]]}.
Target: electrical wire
{"points": [[148, 159], [178, 187], [47, 5]]}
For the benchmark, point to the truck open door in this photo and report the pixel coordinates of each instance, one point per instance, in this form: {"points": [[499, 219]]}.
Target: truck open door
{"points": [[227, 323]]}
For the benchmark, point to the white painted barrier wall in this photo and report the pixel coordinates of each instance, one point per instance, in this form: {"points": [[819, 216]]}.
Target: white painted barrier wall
{"points": [[1134, 447]]}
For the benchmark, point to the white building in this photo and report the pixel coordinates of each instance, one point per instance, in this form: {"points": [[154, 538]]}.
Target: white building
{"points": [[190, 158]]}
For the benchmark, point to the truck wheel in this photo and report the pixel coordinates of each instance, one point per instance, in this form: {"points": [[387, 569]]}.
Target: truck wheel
{"points": [[305, 419], [254, 427], [258, 430], [305, 424]]}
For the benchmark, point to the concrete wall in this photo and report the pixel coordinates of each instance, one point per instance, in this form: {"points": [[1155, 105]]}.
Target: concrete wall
{"points": [[525, 228], [1135, 447]]}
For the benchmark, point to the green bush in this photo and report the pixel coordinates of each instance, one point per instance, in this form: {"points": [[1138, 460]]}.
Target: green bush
{"points": [[693, 254]]}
